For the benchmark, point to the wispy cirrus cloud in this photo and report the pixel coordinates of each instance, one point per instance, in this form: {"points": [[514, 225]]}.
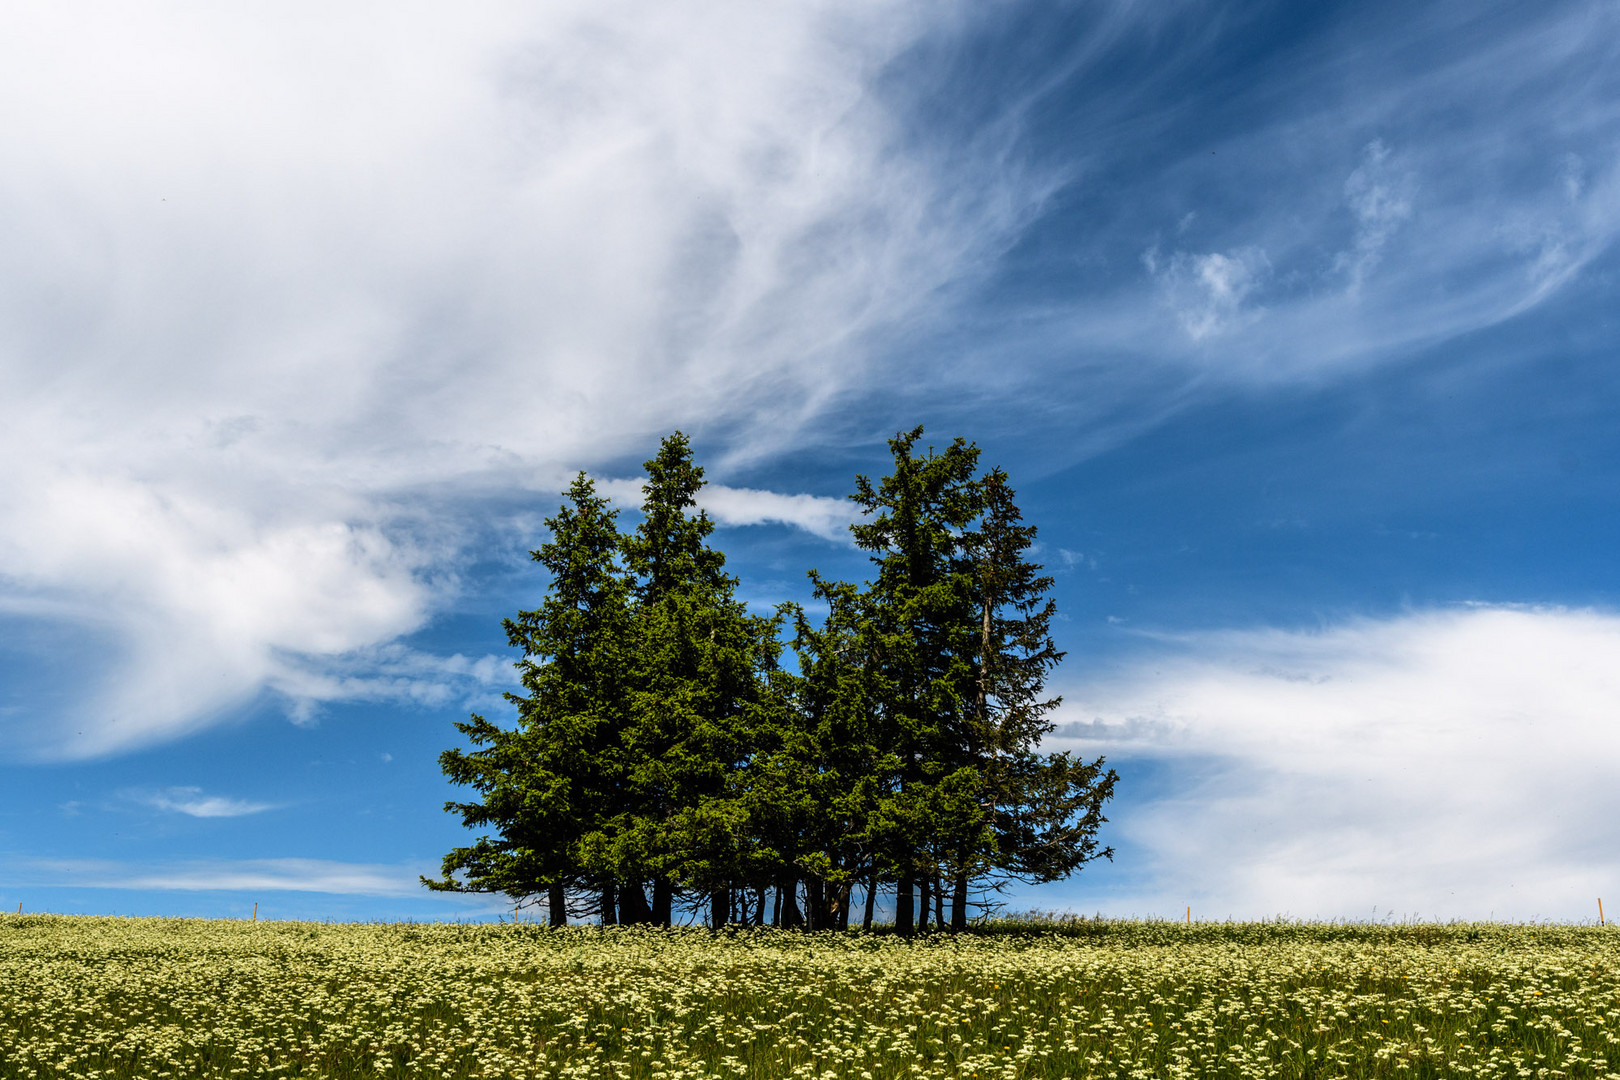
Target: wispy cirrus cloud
{"points": [[392, 673], [1449, 763], [224, 875], [1416, 180], [1210, 293], [296, 299], [296, 294], [819, 515], [193, 802], [1379, 193]]}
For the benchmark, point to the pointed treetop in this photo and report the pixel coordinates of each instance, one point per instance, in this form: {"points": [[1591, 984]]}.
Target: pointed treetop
{"points": [[668, 548]]}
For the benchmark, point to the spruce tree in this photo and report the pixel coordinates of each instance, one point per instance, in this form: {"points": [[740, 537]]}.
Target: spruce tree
{"points": [[827, 762], [659, 744], [920, 607], [1044, 811], [960, 623], [551, 780], [699, 676]]}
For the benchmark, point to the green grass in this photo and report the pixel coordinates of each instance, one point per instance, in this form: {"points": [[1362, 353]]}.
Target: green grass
{"points": [[103, 997]]}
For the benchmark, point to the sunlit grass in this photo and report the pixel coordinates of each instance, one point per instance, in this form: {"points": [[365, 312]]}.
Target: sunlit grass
{"points": [[105, 997]]}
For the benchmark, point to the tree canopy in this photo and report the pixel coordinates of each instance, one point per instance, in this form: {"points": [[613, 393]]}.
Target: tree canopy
{"points": [[664, 758]]}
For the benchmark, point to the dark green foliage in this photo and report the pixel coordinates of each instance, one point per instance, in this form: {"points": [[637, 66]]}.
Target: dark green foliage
{"points": [[548, 784], [698, 665], [962, 622], [663, 758], [1044, 810]]}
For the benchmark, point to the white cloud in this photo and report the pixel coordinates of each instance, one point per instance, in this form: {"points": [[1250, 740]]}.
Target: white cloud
{"points": [[244, 875], [1380, 195], [1209, 293], [1396, 207], [392, 673], [819, 515], [286, 287], [1073, 560], [1454, 763], [827, 518], [287, 290], [192, 802]]}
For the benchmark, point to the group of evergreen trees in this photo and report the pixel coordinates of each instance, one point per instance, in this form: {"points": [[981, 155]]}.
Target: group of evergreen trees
{"points": [[666, 762]]}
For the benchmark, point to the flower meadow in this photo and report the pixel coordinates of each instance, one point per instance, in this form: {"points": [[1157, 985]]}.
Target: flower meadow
{"points": [[88, 998]]}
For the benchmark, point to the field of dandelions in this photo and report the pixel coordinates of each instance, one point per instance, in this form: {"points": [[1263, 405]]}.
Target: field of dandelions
{"points": [[89, 998]]}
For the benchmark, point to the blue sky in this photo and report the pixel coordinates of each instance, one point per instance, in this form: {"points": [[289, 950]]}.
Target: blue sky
{"points": [[1294, 324]]}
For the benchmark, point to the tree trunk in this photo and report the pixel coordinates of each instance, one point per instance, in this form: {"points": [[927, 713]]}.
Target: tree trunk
{"points": [[815, 904], [776, 908], [903, 906], [557, 905], [922, 908], [663, 897], [610, 914], [871, 901], [959, 903], [719, 908], [939, 904], [790, 903], [843, 904], [633, 909]]}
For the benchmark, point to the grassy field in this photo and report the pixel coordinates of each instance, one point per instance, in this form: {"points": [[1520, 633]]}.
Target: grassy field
{"points": [[107, 997]]}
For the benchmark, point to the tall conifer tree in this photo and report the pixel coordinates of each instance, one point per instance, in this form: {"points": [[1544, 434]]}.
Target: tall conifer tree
{"points": [[921, 607], [659, 744], [829, 761], [699, 667], [551, 780], [1044, 811]]}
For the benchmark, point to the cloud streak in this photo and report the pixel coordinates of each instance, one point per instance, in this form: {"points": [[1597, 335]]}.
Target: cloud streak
{"points": [[296, 292], [1353, 206], [193, 803], [299, 295], [819, 515], [1209, 293], [246, 875], [395, 674], [1453, 763]]}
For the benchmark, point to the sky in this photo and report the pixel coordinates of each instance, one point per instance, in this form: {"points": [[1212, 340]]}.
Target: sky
{"points": [[1294, 325]]}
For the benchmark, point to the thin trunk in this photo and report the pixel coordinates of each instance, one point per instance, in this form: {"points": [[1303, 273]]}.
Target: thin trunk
{"points": [[759, 908], [815, 904], [959, 903], [871, 901], [610, 914], [557, 903], [991, 749], [984, 666], [776, 908], [903, 906], [790, 903], [719, 908], [843, 904], [939, 904], [922, 907], [663, 898]]}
